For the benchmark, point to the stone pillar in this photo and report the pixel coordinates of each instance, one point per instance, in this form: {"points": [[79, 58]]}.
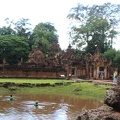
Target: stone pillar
{"points": [[87, 69], [97, 72], [4, 61], [105, 72], [76, 71], [94, 73], [90, 72]]}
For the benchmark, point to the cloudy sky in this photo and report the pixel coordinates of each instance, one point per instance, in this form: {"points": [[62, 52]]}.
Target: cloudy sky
{"points": [[54, 11]]}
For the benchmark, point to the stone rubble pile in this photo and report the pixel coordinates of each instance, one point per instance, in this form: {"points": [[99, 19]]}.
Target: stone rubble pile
{"points": [[109, 111]]}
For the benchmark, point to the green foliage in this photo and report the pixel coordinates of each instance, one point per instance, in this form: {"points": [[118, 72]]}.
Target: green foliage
{"points": [[13, 48], [110, 54], [22, 28], [79, 53], [116, 60], [7, 31], [44, 33], [95, 26], [114, 56], [17, 39]]}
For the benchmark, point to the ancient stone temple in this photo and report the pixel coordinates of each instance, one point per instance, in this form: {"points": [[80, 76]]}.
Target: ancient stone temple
{"points": [[69, 62], [88, 66], [99, 63], [36, 56], [53, 57], [58, 62]]}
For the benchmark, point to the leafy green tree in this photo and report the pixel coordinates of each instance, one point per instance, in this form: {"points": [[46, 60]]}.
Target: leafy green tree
{"points": [[94, 26], [114, 56], [110, 54], [44, 33], [7, 31], [13, 48], [116, 60], [22, 28]]}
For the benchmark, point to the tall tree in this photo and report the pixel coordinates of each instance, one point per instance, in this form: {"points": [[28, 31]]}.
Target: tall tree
{"points": [[22, 28], [44, 33], [94, 26]]}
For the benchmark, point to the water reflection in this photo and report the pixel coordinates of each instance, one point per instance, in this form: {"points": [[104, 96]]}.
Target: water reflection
{"points": [[49, 107], [61, 112]]}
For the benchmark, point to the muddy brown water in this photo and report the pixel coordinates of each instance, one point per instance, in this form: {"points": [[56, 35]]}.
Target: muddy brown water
{"points": [[50, 107]]}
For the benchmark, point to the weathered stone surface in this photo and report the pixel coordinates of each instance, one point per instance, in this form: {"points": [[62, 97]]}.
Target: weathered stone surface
{"points": [[112, 98], [111, 109], [102, 113]]}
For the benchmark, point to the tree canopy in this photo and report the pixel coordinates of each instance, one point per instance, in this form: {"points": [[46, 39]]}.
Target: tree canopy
{"points": [[44, 33], [17, 39], [114, 56], [13, 48], [94, 26]]}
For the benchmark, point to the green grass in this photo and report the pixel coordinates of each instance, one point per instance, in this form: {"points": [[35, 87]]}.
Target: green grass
{"points": [[84, 89], [32, 81]]}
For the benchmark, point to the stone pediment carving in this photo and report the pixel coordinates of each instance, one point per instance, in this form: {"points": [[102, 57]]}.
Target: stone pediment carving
{"points": [[88, 57], [36, 56], [99, 60], [70, 55]]}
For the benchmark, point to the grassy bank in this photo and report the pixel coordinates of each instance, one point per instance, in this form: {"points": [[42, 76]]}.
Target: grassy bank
{"points": [[32, 81], [73, 90]]}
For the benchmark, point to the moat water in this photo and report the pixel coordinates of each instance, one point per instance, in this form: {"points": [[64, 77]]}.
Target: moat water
{"points": [[50, 107]]}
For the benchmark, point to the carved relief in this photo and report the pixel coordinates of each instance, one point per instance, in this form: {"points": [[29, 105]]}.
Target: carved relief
{"points": [[36, 56]]}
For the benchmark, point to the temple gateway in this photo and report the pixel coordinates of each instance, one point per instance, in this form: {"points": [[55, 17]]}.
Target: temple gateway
{"points": [[58, 62]]}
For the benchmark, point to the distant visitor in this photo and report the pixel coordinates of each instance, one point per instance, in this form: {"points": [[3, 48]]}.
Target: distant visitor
{"points": [[36, 104], [101, 74], [11, 98], [115, 76]]}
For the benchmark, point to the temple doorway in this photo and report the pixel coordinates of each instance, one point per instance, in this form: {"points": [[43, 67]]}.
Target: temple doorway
{"points": [[73, 71], [101, 72]]}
